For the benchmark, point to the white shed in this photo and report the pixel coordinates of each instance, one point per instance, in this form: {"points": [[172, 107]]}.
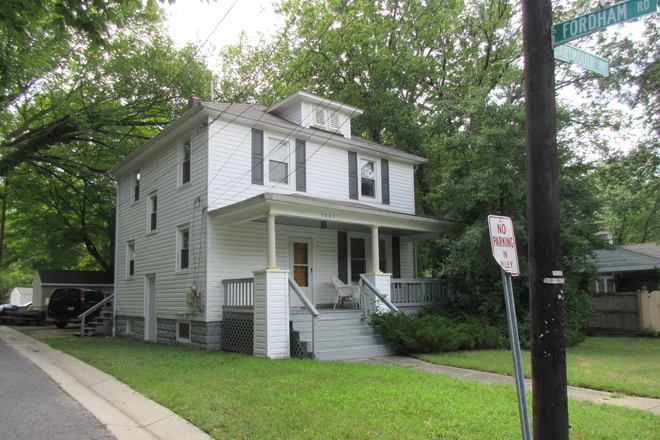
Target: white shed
{"points": [[20, 296]]}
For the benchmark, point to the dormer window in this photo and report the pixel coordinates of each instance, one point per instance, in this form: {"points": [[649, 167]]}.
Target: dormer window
{"points": [[326, 119]]}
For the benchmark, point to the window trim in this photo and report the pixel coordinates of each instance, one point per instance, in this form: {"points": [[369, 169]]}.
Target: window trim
{"points": [[178, 331], [186, 163], [287, 161], [152, 213], [179, 247], [136, 186], [130, 252]]}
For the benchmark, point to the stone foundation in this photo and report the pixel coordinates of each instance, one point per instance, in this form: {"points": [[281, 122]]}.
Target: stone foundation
{"points": [[204, 335]]}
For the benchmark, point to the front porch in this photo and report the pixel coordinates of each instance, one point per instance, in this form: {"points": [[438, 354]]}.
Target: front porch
{"points": [[321, 331]]}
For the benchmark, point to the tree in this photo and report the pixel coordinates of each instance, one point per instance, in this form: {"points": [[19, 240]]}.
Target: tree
{"points": [[77, 121], [442, 80]]}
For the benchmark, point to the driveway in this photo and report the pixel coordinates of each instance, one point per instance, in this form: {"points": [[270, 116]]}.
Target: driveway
{"points": [[33, 407]]}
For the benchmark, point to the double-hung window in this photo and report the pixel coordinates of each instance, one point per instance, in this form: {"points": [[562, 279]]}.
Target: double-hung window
{"points": [[368, 178], [136, 194], [278, 161], [185, 164], [153, 212], [184, 248], [130, 259]]}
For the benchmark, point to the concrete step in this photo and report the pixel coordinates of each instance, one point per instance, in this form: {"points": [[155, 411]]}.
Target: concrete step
{"points": [[355, 352]]}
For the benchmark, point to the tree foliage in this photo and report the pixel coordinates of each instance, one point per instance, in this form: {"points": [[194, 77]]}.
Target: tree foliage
{"points": [[441, 79], [72, 123]]}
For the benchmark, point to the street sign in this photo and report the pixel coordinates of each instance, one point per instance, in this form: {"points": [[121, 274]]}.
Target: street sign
{"points": [[601, 18], [503, 243], [582, 58]]}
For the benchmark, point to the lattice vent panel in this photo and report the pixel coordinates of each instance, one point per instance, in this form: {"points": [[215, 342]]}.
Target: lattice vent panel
{"points": [[298, 349], [237, 333]]}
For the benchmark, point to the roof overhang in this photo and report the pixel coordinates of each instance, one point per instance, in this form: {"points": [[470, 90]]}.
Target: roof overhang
{"points": [[303, 211], [621, 260]]}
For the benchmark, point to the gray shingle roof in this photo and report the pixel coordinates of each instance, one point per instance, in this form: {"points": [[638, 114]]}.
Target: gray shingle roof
{"points": [[48, 276]]}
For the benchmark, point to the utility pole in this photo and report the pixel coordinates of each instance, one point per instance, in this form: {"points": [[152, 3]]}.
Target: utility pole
{"points": [[549, 394]]}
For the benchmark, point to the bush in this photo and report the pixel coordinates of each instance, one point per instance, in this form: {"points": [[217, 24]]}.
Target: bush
{"points": [[433, 332]]}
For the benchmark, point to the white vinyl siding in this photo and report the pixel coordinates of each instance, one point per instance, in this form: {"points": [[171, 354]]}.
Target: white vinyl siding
{"points": [[157, 253], [407, 253], [326, 169]]}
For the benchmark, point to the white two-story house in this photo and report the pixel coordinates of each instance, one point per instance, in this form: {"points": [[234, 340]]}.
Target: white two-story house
{"points": [[233, 221]]}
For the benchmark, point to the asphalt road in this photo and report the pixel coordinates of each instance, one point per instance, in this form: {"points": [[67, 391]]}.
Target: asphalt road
{"points": [[33, 407]]}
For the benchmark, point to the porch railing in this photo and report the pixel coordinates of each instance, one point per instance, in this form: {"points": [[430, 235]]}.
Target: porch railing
{"points": [[310, 307], [418, 292], [365, 282], [239, 293]]}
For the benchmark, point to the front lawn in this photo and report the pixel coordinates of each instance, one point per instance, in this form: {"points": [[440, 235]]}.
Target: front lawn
{"points": [[622, 365], [237, 396]]}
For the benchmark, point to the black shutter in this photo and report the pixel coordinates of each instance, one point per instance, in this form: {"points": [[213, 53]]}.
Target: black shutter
{"points": [[352, 176], [385, 172], [301, 174], [396, 257], [342, 256], [257, 157]]}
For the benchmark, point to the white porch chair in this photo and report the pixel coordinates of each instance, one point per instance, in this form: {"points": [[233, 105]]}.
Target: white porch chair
{"points": [[346, 292]]}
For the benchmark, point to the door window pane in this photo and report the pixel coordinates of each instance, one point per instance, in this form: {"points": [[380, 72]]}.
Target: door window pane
{"points": [[300, 264], [358, 258]]}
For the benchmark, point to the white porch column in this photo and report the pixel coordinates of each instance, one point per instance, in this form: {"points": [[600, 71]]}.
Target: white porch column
{"points": [[271, 314], [383, 282], [271, 261], [375, 259]]}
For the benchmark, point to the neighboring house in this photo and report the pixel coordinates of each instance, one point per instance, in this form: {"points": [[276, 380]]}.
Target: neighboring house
{"points": [[20, 296], [46, 280], [232, 221], [631, 261]]}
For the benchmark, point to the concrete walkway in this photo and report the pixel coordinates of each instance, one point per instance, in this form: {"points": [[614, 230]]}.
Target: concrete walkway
{"points": [[651, 405], [126, 413]]}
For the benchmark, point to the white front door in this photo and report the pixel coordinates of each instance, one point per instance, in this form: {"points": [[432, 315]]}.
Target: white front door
{"points": [[301, 267], [150, 308]]}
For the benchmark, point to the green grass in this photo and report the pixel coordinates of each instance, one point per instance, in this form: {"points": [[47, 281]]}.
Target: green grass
{"points": [[241, 397], [621, 365]]}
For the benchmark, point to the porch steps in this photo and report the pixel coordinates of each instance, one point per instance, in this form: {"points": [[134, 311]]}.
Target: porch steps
{"points": [[101, 325], [341, 335]]}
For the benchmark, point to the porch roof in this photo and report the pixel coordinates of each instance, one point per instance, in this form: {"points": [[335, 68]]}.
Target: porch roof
{"points": [[313, 212]]}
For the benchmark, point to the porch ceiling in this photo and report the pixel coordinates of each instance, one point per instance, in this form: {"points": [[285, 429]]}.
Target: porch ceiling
{"points": [[304, 211]]}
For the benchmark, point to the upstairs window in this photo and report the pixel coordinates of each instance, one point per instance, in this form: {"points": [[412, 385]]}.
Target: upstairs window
{"points": [[153, 212], [278, 161], [130, 259], [185, 164], [137, 186], [368, 178]]}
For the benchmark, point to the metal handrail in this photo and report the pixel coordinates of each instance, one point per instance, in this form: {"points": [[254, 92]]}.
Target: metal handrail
{"points": [[310, 307], [380, 296], [88, 312]]}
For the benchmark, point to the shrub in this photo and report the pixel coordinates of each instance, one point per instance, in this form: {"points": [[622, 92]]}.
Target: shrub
{"points": [[434, 332]]}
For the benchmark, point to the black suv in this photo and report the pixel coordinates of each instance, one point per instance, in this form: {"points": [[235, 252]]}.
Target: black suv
{"points": [[66, 305]]}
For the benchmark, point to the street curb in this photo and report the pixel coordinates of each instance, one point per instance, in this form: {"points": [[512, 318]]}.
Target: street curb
{"points": [[127, 414]]}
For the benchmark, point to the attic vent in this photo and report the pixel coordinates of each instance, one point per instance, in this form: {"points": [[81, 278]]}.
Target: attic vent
{"points": [[319, 120], [334, 121]]}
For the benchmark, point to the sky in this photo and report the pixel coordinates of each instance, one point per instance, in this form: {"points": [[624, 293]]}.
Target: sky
{"points": [[195, 20], [199, 20]]}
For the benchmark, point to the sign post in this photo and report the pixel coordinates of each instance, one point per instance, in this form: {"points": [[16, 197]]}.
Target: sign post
{"points": [[503, 245]]}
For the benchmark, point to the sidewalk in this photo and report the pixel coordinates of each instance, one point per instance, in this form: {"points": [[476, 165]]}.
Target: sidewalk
{"points": [[651, 405], [126, 413]]}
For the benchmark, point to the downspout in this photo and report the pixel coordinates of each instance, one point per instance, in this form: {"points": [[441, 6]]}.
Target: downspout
{"points": [[114, 284]]}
